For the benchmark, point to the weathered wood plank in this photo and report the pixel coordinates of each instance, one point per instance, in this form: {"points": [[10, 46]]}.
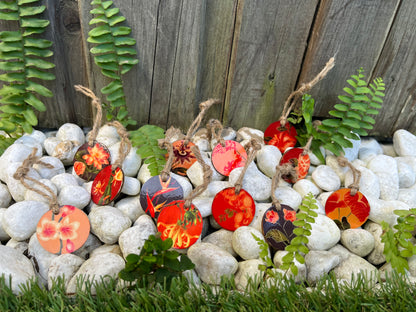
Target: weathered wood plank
{"points": [[167, 29], [218, 34], [65, 33], [186, 74], [396, 65], [271, 46], [141, 16], [353, 31]]}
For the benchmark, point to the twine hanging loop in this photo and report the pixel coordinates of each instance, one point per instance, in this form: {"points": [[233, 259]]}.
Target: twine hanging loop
{"points": [[253, 146], [355, 185]]}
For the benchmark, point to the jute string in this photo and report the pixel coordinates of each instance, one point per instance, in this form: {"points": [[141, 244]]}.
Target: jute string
{"points": [[125, 144], [214, 127], [97, 104], [203, 107], [167, 145], [355, 186], [281, 170], [21, 175], [64, 148], [307, 147], [303, 89], [253, 146], [206, 180]]}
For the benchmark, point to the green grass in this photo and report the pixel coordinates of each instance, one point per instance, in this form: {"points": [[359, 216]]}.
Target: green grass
{"points": [[393, 295]]}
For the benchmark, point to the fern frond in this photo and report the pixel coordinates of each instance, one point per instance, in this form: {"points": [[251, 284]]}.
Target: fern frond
{"points": [[114, 53], [146, 140], [22, 59]]}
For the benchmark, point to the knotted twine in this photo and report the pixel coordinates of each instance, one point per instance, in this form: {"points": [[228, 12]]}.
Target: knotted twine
{"points": [[167, 145], [125, 144], [21, 175], [206, 180], [355, 185], [295, 95], [97, 104], [214, 127], [253, 146], [203, 107]]}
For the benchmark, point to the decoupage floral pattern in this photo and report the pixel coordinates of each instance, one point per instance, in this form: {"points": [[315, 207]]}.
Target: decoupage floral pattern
{"points": [[348, 212], [277, 226], [232, 210], [182, 225], [64, 232], [183, 157], [155, 194], [107, 185], [89, 160], [225, 159], [281, 137], [298, 160]]}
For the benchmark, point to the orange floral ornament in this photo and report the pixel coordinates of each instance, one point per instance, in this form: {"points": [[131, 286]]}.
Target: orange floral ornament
{"points": [[96, 156], [48, 230], [64, 232], [89, 160]]}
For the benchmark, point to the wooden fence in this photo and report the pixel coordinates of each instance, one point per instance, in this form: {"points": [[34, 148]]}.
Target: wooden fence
{"points": [[249, 53]]}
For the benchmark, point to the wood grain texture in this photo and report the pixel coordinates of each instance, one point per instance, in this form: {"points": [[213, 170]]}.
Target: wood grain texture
{"points": [[141, 17], [218, 37], [65, 32], [271, 47], [352, 31], [186, 74], [396, 65]]}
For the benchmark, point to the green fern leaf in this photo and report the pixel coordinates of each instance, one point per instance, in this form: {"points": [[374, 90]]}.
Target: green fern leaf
{"points": [[146, 140]]}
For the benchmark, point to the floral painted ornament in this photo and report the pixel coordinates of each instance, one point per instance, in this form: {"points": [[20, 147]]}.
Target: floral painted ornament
{"points": [[183, 225], [184, 158], [107, 185], [89, 160], [181, 220], [64, 232], [155, 194], [228, 157], [277, 226], [299, 160], [232, 210], [280, 136], [109, 181], [348, 211], [234, 207], [348, 207], [92, 156]]}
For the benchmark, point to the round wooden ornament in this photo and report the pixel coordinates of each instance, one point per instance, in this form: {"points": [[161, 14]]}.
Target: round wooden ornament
{"points": [[184, 158], [348, 211], [280, 136], [155, 194], [226, 158], [183, 225], [90, 159], [64, 232], [299, 160], [277, 226], [232, 210], [107, 185]]}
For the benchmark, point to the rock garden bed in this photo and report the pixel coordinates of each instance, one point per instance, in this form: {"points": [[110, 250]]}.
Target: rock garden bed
{"points": [[120, 228]]}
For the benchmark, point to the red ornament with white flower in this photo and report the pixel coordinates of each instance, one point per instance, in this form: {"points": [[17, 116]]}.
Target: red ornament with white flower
{"points": [[65, 232], [277, 226], [280, 136]]}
